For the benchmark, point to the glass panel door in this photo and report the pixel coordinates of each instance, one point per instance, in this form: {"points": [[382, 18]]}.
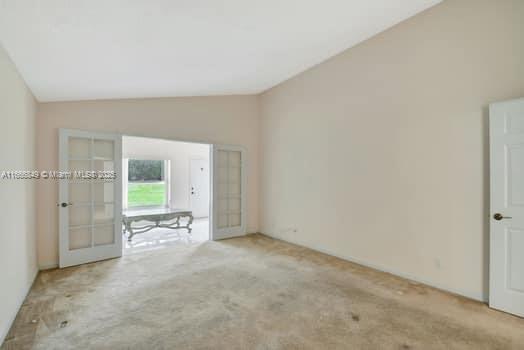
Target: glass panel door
{"points": [[90, 204], [229, 191]]}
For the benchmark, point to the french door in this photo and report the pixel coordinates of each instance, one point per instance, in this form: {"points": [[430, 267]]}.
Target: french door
{"points": [[507, 206], [90, 205], [229, 192]]}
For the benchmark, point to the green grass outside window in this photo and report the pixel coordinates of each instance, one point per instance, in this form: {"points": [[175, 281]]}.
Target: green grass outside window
{"points": [[146, 194]]}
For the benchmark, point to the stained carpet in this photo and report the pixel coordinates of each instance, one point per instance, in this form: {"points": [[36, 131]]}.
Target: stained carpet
{"points": [[252, 292]]}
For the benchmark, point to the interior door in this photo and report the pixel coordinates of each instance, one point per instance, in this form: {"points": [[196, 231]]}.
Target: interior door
{"points": [[507, 206], [229, 192], [199, 191], [90, 205]]}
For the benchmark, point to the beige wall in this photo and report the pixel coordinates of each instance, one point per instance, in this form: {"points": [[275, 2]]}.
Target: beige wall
{"points": [[222, 120], [17, 197], [179, 155], [380, 155]]}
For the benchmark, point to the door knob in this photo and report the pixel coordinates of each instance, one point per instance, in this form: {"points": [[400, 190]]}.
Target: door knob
{"points": [[64, 204], [499, 216]]}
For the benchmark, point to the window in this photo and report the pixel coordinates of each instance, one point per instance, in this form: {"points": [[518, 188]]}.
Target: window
{"points": [[147, 184]]}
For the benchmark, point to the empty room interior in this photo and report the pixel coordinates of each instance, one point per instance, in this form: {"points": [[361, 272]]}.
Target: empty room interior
{"points": [[341, 174]]}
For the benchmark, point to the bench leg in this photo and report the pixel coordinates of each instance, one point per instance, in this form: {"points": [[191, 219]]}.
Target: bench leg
{"points": [[130, 230], [189, 224]]}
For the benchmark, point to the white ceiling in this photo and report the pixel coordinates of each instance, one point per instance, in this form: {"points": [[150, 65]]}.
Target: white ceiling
{"points": [[102, 49]]}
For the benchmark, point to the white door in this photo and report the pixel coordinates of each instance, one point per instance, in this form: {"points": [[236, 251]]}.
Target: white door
{"points": [[507, 206], [199, 187], [90, 208], [229, 192]]}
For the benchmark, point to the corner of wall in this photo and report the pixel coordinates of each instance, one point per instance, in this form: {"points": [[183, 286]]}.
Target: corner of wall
{"points": [[18, 141]]}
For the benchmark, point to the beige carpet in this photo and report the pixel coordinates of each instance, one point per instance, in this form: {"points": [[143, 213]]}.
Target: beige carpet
{"points": [[248, 293]]}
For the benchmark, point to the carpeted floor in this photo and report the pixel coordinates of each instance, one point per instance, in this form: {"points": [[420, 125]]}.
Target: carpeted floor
{"points": [[248, 293]]}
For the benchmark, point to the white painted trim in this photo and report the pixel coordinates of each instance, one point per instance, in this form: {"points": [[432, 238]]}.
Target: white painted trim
{"points": [[20, 302], [167, 181], [125, 166], [475, 296], [211, 192]]}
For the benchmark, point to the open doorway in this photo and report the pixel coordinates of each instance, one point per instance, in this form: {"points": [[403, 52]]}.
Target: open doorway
{"points": [[98, 198], [165, 193]]}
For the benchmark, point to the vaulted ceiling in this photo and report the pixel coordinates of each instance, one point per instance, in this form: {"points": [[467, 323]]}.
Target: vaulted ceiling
{"points": [[102, 49]]}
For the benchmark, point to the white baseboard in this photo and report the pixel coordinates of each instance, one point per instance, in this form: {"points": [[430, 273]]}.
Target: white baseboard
{"points": [[470, 295]]}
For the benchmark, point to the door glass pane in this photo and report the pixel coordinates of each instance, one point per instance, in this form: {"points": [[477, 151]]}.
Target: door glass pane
{"points": [[79, 238], [222, 206], [79, 215], [79, 147], [104, 165], [104, 213], [103, 192], [234, 189], [234, 205], [222, 221], [104, 235], [234, 175], [222, 190], [80, 192], [222, 158], [103, 149], [234, 220], [222, 175], [234, 159], [79, 165]]}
